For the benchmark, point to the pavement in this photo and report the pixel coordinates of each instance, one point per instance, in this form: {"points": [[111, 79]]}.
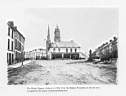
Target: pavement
{"points": [[62, 72], [19, 64]]}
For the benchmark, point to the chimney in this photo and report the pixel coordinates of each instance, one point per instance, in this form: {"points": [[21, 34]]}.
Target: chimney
{"points": [[15, 27], [10, 23]]}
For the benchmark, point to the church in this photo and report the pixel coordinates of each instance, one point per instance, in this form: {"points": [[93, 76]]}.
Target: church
{"points": [[61, 49]]}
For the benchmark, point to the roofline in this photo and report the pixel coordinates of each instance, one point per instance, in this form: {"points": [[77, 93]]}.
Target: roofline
{"points": [[15, 29], [64, 47]]}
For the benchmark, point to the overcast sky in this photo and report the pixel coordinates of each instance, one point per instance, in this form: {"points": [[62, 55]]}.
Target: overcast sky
{"points": [[88, 27]]}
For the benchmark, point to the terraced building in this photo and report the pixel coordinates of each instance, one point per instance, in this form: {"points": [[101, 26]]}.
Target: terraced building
{"points": [[15, 44]]}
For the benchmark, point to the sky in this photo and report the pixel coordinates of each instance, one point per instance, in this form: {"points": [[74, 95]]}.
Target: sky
{"points": [[88, 27]]}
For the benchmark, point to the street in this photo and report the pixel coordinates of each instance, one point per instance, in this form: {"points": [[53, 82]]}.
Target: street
{"points": [[62, 72]]}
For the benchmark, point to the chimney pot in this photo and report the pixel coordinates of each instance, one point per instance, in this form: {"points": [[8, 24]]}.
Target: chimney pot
{"points": [[11, 23]]}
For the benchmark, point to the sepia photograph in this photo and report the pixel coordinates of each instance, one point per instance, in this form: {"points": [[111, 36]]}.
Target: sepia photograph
{"points": [[63, 46]]}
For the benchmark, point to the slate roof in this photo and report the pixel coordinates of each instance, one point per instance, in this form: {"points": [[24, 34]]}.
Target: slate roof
{"points": [[65, 44]]}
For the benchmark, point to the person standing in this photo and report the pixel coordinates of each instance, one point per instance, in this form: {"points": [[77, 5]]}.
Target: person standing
{"points": [[22, 59]]}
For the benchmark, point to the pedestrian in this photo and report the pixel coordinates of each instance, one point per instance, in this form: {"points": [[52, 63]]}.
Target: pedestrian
{"points": [[22, 59]]}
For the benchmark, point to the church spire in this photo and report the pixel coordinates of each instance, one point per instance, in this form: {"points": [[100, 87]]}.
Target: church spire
{"points": [[48, 36], [48, 41]]}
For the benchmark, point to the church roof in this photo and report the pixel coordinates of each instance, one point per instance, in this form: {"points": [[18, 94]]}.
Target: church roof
{"points": [[65, 44]]}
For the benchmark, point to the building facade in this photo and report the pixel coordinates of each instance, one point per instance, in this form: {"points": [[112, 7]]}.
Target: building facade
{"points": [[36, 54], [64, 50], [61, 49], [107, 51], [15, 44]]}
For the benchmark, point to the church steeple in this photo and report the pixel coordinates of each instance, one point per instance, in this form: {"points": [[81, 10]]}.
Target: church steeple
{"points": [[48, 36], [57, 34], [48, 41]]}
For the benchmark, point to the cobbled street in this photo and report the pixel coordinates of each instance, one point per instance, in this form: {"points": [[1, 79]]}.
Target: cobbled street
{"points": [[62, 72]]}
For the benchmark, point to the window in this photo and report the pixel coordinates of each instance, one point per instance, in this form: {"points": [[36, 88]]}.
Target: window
{"points": [[66, 50], [75, 50], [20, 37], [53, 49], [8, 31], [59, 49], [12, 58], [8, 44], [12, 34], [71, 50], [19, 47], [15, 43], [12, 45], [7, 57]]}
